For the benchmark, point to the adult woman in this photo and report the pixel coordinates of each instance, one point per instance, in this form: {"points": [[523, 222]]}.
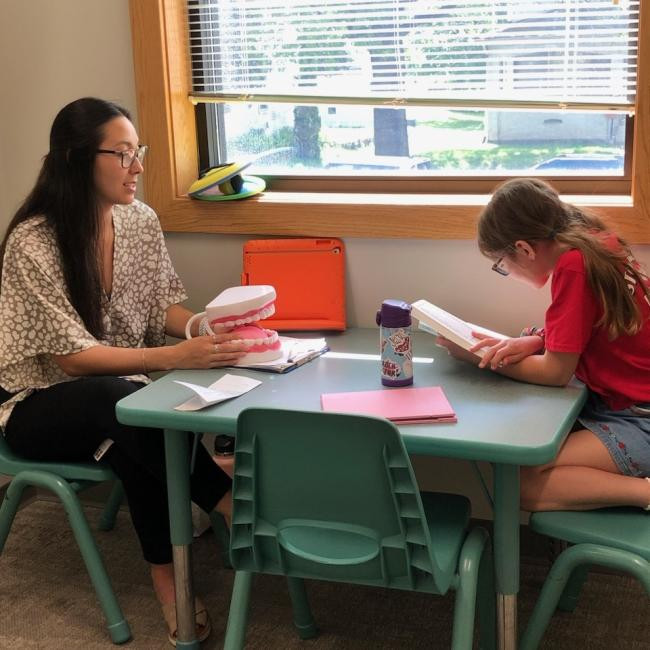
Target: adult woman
{"points": [[88, 294]]}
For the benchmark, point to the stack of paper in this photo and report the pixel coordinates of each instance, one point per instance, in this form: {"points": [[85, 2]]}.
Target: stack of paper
{"points": [[295, 352], [401, 405]]}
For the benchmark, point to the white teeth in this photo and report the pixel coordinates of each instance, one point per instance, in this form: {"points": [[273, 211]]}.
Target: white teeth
{"points": [[267, 311], [260, 315], [269, 340]]}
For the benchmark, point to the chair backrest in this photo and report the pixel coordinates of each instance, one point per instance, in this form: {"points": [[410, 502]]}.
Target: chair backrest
{"points": [[11, 464], [329, 496]]}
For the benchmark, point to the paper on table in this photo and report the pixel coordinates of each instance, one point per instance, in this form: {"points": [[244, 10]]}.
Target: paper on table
{"points": [[402, 405], [226, 387], [295, 352]]}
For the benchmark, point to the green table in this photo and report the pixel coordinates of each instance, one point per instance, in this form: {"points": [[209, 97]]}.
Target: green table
{"points": [[499, 420]]}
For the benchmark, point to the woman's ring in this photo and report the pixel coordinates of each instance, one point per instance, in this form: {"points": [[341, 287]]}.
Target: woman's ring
{"points": [[500, 364], [216, 347]]}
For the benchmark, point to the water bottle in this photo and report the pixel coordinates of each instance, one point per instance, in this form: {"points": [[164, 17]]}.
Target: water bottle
{"points": [[394, 319], [224, 453]]}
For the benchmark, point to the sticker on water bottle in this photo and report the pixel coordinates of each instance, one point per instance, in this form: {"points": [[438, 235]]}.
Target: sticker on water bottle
{"points": [[396, 354]]}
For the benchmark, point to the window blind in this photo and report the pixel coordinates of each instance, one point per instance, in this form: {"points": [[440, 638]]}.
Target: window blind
{"points": [[484, 53]]}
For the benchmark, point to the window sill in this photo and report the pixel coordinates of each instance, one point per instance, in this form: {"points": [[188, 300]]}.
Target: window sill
{"points": [[418, 216]]}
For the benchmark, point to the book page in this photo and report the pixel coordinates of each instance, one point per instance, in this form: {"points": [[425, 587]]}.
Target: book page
{"points": [[448, 320], [432, 317]]}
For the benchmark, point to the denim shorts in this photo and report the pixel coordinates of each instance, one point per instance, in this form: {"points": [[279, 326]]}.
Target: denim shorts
{"points": [[625, 433]]}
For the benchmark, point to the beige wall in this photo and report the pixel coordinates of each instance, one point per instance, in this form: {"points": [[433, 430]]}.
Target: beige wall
{"points": [[4, 191], [51, 52], [54, 51]]}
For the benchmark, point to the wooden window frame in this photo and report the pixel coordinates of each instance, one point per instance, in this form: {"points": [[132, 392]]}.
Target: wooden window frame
{"points": [[167, 124]]}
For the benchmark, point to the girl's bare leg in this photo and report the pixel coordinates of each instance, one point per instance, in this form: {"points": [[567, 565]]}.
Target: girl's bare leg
{"points": [[582, 477]]}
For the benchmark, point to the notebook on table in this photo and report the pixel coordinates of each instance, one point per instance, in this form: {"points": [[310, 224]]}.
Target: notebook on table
{"points": [[401, 405]]}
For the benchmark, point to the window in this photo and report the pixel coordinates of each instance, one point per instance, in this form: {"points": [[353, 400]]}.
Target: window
{"points": [[446, 208], [375, 85]]}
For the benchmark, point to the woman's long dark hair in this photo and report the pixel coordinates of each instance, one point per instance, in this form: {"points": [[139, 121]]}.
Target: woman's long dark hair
{"points": [[65, 195]]}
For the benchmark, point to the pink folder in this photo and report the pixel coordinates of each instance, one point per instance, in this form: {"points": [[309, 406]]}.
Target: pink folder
{"points": [[401, 405]]}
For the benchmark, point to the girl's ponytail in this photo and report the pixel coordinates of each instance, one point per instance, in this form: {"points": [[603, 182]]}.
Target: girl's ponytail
{"points": [[612, 273]]}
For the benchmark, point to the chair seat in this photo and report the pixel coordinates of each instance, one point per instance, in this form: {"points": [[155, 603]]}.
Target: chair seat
{"points": [[448, 520], [11, 464], [623, 528], [65, 480], [333, 544]]}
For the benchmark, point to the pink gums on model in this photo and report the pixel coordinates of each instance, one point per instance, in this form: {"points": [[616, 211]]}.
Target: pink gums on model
{"points": [[238, 310]]}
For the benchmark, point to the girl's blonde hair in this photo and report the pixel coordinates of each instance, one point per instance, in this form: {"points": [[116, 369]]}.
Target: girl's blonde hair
{"points": [[529, 209]]}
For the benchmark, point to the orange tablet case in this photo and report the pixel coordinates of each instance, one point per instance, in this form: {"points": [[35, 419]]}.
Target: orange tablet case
{"points": [[309, 279]]}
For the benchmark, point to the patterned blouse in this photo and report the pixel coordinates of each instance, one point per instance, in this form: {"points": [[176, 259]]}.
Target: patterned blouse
{"points": [[37, 319]]}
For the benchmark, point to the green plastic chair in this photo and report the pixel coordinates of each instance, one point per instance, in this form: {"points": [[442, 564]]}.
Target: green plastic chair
{"points": [[333, 497], [65, 480], [617, 538]]}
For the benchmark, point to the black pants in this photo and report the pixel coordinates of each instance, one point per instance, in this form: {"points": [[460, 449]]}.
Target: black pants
{"points": [[68, 421]]}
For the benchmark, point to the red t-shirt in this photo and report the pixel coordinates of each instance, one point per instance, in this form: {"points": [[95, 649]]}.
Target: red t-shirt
{"points": [[618, 370]]}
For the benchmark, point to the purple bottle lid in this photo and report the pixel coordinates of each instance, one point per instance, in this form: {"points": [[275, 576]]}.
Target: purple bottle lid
{"points": [[394, 313]]}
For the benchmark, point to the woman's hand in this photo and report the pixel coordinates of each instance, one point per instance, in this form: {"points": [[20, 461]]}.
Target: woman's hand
{"points": [[210, 351], [500, 353]]}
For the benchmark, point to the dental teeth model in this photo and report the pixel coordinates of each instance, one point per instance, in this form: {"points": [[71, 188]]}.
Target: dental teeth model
{"points": [[238, 309]]}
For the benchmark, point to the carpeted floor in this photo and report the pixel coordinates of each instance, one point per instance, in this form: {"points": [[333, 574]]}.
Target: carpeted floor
{"points": [[46, 600]]}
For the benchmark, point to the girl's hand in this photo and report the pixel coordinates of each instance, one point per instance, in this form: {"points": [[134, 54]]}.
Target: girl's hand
{"points": [[210, 351], [456, 351], [500, 353]]}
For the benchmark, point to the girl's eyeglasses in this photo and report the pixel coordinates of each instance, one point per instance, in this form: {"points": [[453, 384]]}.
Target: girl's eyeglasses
{"points": [[499, 268], [128, 155]]}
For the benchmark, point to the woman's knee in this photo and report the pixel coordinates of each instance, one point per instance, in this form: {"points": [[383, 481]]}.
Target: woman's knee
{"points": [[101, 394], [108, 387]]}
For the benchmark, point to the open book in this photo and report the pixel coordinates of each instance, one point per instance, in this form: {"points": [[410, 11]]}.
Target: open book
{"points": [[435, 320], [295, 352]]}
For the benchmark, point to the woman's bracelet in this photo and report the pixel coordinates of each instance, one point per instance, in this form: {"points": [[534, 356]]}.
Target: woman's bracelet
{"points": [[145, 370], [204, 327]]}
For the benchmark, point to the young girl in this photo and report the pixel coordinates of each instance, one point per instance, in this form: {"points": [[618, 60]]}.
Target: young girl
{"points": [[87, 295], [597, 327]]}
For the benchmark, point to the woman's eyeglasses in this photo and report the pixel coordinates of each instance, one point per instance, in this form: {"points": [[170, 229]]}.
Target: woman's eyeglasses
{"points": [[499, 268], [128, 155]]}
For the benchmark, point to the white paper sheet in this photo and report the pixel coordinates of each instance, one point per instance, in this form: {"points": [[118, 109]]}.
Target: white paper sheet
{"points": [[226, 387], [295, 352]]}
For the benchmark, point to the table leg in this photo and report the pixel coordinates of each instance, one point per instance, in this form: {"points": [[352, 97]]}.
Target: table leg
{"points": [[177, 458], [506, 552]]}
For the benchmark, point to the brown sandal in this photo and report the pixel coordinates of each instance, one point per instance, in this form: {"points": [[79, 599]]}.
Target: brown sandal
{"points": [[201, 618]]}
